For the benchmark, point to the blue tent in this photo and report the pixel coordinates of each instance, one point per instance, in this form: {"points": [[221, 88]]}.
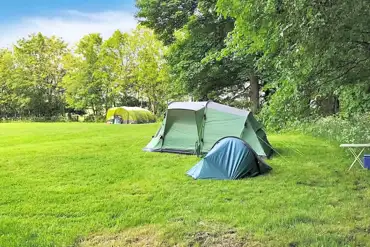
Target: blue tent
{"points": [[230, 158]]}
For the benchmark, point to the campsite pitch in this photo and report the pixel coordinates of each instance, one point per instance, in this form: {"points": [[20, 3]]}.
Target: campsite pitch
{"points": [[92, 185]]}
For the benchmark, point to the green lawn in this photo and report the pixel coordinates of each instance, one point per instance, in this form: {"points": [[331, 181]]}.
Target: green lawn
{"points": [[90, 184]]}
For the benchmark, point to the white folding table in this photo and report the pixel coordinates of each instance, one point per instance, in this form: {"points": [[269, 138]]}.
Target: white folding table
{"points": [[353, 148]]}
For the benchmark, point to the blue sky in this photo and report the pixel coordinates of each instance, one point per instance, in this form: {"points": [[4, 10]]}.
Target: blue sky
{"points": [[69, 19]]}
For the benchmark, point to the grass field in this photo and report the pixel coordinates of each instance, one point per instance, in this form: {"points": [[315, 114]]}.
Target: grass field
{"points": [[91, 185]]}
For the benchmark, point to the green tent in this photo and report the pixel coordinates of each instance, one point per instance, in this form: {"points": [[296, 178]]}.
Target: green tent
{"points": [[194, 127], [130, 115], [230, 158]]}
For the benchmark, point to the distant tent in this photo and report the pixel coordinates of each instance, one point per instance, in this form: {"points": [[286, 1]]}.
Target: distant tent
{"points": [[126, 115], [194, 127], [230, 158]]}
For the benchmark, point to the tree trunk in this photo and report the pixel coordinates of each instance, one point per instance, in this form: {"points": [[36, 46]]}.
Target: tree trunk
{"points": [[254, 93], [152, 105], [95, 112], [154, 108], [107, 105]]}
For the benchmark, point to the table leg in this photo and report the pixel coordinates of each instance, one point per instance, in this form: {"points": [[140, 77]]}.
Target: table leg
{"points": [[357, 158]]}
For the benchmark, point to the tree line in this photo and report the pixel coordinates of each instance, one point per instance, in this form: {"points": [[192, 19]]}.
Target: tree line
{"points": [[42, 77], [286, 60]]}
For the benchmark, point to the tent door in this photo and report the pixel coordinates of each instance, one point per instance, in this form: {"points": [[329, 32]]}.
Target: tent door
{"points": [[181, 132]]}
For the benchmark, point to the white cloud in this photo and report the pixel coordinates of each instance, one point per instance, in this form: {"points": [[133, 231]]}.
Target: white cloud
{"points": [[71, 25]]}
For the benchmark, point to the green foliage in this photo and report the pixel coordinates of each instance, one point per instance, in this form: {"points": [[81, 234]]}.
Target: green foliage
{"points": [[287, 106], [30, 78], [76, 183], [353, 130], [8, 101], [150, 71], [299, 60], [83, 81], [105, 74], [38, 61], [42, 79], [165, 17], [198, 61], [91, 118], [116, 65], [194, 66], [320, 47], [355, 99], [42, 119]]}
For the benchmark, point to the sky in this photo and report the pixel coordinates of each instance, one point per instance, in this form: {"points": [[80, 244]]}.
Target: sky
{"points": [[68, 19]]}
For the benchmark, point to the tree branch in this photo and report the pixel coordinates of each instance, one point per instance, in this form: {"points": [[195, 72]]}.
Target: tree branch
{"points": [[348, 70]]}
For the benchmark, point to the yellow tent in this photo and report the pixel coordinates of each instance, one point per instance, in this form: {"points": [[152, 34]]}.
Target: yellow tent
{"points": [[130, 115]]}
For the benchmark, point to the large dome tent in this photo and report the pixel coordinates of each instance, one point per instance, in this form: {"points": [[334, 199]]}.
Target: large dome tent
{"points": [[194, 127], [129, 115]]}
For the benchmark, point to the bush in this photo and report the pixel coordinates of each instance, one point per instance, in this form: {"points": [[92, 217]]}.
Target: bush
{"points": [[59, 119], [94, 119], [35, 119], [353, 130]]}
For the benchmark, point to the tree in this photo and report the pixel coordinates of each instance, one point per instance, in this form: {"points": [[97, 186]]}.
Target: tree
{"points": [[116, 60], [165, 17], [9, 100], [84, 82], [311, 49], [150, 70], [197, 62], [37, 75], [110, 73]]}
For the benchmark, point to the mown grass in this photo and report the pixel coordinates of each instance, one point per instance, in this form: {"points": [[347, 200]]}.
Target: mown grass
{"points": [[90, 184]]}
